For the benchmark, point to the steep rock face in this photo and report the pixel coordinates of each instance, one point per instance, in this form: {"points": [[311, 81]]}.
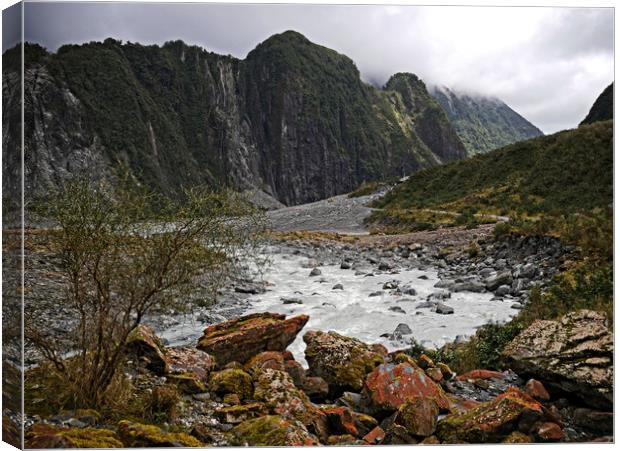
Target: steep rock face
{"points": [[428, 119], [603, 107], [573, 354], [483, 123], [292, 120]]}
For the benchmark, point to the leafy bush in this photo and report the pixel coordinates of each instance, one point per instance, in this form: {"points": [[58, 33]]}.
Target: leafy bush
{"points": [[126, 253]]}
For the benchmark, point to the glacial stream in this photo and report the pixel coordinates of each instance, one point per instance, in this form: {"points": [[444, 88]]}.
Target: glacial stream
{"points": [[352, 311]]}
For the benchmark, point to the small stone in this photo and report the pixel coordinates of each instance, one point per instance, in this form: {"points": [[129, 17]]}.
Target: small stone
{"points": [[550, 432], [338, 286], [291, 301], [537, 390], [396, 309], [375, 294], [315, 272], [375, 436], [345, 265], [435, 374], [444, 309]]}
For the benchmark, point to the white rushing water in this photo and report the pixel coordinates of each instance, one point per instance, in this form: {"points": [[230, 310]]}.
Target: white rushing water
{"points": [[352, 312]]}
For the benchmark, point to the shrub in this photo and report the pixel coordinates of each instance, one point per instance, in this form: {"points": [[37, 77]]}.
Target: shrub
{"points": [[126, 253]]}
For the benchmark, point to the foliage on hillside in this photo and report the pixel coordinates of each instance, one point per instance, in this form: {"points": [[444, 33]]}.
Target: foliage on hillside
{"points": [[483, 123], [559, 186], [603, 108], [566, 172]]}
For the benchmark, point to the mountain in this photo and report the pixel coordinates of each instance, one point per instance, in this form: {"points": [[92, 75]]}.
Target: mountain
{"points": [[566, 172], [603, 108], [292, 119], [483, 123]]}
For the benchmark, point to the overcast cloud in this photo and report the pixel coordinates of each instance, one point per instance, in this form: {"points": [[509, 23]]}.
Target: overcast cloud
{"points": [[549, 64]]}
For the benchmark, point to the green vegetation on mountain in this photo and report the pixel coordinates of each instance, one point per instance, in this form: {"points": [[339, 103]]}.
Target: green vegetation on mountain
{"points": [[483, 123], [567, 172], [558, 186], [293, 119], [603, 108]]}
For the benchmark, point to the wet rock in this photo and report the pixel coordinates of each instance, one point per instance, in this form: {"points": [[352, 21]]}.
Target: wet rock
{"points": [[144, 346], [388, 386], [503, 290], [402, 329], [536, 390], [472, 286], [242, 338], [136, 435], [443, 309], [375, 294], [342, 362], [250, 289], [425, 305], [573, 355], [338, 286], [272, 430], [396, 309], [391, 285], [287, 301], [345, 265], [491, 421], [41, 436], [232, 381], [409, 291], [494, 282], [315, 272], [550, 432]]}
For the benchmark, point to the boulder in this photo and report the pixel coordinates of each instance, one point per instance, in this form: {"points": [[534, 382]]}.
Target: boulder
{"points": [[232, 380], [189, 360], [573, 354], [375, 436], [276, 390], [137, 435], [418, 417], [315, 388], [536, 390], [239, 413], [443, 309], [341, 421], [494, 282], [315, 272], [550, 432], [343, 362], [145, 347], [388, 386], [271, 430], [493, 420], [267, 359], [242, 338], [41, 436]]}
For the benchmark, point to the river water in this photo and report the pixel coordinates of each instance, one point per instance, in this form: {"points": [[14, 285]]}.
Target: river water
{"points": [[353, 312]]}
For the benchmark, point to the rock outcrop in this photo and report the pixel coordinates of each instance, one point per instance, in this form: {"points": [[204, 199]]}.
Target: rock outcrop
{"points": [[293, 120], [573, 354], [240, 339], [343, 362]]}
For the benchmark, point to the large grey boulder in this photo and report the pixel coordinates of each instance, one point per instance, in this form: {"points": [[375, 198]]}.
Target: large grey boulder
{"points": [[573, 354]]}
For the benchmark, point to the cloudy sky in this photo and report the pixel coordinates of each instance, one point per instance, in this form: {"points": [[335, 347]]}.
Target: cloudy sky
{"points": [[549, 64]]}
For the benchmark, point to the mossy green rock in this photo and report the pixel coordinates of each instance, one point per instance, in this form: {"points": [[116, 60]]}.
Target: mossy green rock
{"points": [[276, 390], [188, 383], [232, 380], [491, 421], [143, 345], [137, 435], [343, 362], [271, 430], [48, 436]]}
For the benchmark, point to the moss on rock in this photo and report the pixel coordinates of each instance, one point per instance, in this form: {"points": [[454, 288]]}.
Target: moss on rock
{"points": [[137, 435], [271, 430], [232, 380]]}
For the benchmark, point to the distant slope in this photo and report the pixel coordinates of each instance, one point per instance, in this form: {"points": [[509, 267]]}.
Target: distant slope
{"points": [[483, 123], [603, 108], [569, 171]]}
